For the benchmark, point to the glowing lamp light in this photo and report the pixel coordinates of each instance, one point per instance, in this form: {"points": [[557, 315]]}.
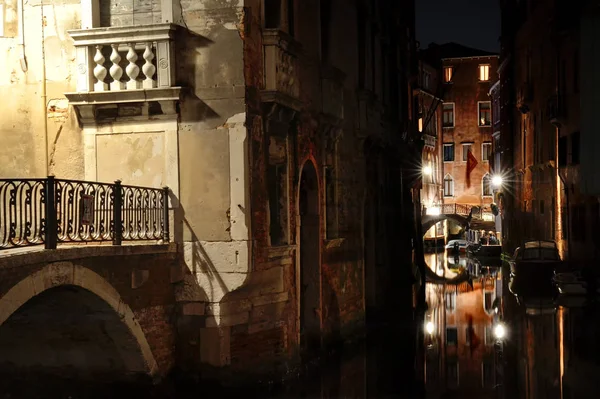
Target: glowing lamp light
{"points": [[429, 327], [499, 331], [497, 181], [433, 211], [427, 170]]}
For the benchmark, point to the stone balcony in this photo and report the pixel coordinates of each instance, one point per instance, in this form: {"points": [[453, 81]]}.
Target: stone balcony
{"points": [[281, 80], [120, 68], [430, 141]]}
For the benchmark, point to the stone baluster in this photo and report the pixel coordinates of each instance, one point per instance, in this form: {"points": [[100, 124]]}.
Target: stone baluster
{"points": [[115, 70], [132, 69], [148, 68], [100, 71]]}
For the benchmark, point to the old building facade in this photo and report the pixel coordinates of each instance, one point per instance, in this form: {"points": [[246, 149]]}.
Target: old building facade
{"points": [[544, 126], [466, 76], [286, 156]]}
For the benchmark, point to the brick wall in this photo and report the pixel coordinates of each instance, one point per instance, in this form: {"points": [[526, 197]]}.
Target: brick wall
{"points": [[151, 301], [466, 91]]}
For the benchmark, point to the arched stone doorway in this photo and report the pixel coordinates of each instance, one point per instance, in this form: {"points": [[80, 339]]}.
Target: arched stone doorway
{"points": [[310, 259]]}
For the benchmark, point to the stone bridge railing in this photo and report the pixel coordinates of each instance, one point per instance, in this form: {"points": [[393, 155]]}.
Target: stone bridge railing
{"points": [[50, 211], [478, 212]]}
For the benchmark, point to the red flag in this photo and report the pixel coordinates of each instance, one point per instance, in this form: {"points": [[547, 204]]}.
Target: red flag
{"points": [[471, 164]]}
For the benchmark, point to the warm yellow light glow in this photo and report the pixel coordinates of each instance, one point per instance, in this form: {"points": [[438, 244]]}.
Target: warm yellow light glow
{"points": [[427, 170], [433, 211], [497, 180], [429, 327], [420, 124], [499, 331]]}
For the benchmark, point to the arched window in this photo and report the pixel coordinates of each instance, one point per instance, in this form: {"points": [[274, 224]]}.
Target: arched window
{"points": [[448, 186], [486, 183]]}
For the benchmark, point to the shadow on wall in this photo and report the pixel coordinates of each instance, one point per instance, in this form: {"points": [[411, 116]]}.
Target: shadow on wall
{"points": [[189, 46]]}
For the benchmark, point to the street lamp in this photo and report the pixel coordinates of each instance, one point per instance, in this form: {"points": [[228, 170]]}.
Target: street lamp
{"points": [[427, 171], [497, 180]]}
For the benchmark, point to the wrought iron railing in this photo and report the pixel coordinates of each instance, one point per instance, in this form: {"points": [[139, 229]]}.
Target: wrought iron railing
{"points": [[50, 211]]}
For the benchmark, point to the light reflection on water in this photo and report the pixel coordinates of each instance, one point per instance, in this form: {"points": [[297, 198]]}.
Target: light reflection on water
{"points": [[551, 349], [460, 351]]}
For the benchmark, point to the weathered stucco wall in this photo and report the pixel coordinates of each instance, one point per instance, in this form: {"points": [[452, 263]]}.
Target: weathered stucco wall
{"points": [[22, 119]]}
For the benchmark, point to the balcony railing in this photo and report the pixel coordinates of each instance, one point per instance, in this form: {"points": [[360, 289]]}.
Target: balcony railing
{"points": [[50, 211], [124, 64], [281, 82]]}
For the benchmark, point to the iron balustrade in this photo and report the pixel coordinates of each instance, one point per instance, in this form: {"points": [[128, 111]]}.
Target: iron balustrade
{"points": [[51, 211]]}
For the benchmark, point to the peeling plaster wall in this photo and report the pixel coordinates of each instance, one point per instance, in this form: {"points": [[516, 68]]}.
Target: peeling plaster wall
{"points": [[22, 118]]}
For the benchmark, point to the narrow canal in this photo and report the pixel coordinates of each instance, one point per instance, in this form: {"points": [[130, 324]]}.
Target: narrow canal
{"points": [[484, 338]]}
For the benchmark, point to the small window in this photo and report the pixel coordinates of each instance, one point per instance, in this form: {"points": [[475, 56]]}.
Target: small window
{"points": [[488, 301], [450, 301], [486, 151], [449, 152], [448, 74], [452, 375], [484, 73], [451, 336], [487, 374], [448, 186], [426, 79], [485, 113], [486, 183], [489, 336], [448, 115], [575, 146], [465, 153]]}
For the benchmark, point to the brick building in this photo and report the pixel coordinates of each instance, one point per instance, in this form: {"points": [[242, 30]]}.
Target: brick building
{"points": [[465, 122], [289, 159], [546, 125]]}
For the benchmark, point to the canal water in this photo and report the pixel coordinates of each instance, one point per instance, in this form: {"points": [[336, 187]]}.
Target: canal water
{"points": [[489, 338], [483, 339]]}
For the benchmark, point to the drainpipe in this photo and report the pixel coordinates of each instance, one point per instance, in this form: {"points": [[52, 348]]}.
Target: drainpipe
{"points": [[21, 41], [44, 91]]}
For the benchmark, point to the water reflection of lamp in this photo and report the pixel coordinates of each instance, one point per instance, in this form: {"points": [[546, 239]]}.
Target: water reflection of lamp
{"points": [[500, 331], [429, 327]]}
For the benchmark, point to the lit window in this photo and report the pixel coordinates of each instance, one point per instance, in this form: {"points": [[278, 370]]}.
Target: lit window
{"points": [[486, 151], [448, 74], [484, 73], [448, 186], [448, 115], [485, 113], [466, 149], [486, 185], [449, 152]]}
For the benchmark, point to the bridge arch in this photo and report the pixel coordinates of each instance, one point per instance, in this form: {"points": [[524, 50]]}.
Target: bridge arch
{"points": [[60, 277], [429, 221]]}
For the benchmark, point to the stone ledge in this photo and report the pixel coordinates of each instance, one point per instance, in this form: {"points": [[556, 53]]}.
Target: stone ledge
{"points": [[41, 255]]}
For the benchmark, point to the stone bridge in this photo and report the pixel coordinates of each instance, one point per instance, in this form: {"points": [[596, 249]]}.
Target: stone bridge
{"points": [[460, 214], [93, 310]]}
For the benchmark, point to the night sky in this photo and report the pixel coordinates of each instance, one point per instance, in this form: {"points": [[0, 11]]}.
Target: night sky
{"points": [[473, 23]]}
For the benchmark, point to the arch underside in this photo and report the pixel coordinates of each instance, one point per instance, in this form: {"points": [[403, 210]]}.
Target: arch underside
{"points": [[69, 321]]}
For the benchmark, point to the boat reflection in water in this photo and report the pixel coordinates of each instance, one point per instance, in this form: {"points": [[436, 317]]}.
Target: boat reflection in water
{"points": [[459, 327]]}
